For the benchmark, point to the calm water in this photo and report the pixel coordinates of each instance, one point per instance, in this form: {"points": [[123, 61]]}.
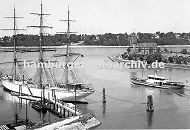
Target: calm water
{"points": [[125, 106]]}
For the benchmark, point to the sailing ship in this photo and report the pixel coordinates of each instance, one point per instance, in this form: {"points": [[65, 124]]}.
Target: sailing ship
{"points": [[40, 87]]}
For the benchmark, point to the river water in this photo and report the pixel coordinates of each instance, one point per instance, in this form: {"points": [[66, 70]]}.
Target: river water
{"points": [[125, 107]]}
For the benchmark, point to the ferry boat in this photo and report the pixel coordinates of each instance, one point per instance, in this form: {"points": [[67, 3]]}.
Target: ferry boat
{"points": [[157, 82]]}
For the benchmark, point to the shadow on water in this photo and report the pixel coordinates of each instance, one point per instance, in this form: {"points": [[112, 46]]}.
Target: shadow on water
{"points": [[103, 109], [179, 92], [149, 119], [1, 97]]}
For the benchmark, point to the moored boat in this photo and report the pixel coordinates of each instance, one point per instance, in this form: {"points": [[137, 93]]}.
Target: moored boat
{"points": [[157, 82]]}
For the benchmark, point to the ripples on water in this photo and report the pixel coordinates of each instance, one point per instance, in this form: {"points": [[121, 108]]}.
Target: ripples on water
{"points": [[125, 107]]}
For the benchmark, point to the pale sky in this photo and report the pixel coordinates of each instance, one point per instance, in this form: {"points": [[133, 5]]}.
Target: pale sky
{"points": [[101, 16]]}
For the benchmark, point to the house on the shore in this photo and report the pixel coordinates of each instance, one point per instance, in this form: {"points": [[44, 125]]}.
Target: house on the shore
{"points": [[133, 39], [150, 48], [141, 47]]}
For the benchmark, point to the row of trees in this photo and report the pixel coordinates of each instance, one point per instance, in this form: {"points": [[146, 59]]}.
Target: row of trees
{"points": [[178, 60], [150, 58], [33, 40], [107, 39], [161, 38]]}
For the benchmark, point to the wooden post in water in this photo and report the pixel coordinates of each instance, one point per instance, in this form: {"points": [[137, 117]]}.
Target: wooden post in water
{"points": [[52, 94], [16, 119], [75, 101], [19, 93], [26, 113], [16, 114], [55, 103], [150, 107], [49, 115], [49, 105], [57, 108], [104, 96], [64, 112], [41, 97], [142, 72]]}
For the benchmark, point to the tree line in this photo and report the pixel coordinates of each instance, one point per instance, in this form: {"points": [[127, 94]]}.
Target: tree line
{"points": [[150, 58], [107, 39]]}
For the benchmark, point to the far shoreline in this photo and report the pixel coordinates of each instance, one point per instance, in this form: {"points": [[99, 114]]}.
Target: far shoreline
{"points": [[72, 46], [88, 46]]}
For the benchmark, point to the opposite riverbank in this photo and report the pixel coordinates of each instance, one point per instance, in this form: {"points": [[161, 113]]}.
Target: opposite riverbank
{"points": [[87, 46]]}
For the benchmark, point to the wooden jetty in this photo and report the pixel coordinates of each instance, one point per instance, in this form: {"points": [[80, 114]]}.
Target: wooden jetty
{"points": [[55, 106], [61, 106]]}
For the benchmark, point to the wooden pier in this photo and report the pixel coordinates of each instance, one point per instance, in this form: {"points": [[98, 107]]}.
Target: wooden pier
{"points": [[59, 108]]}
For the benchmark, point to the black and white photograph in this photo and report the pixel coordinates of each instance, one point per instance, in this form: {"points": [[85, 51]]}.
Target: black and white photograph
{"points": [[94, 64]]}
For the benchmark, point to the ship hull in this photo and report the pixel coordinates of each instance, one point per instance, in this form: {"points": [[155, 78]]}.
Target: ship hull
{"points": [[59, 93], [144, 83]]}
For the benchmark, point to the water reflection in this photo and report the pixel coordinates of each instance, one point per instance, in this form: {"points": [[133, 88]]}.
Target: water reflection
{"points": [[179, 92], [42, 117], [149, 119], [1, 97], [103, 109]]}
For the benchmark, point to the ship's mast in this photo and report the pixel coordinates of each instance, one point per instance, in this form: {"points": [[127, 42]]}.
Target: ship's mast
{"points": [[67, 50], [41, 60], [41, 52], [14, 29], [14, 39], [68, 44]]}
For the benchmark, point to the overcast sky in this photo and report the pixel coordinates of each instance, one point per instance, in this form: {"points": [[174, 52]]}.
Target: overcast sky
{"points": [[101, 16]]}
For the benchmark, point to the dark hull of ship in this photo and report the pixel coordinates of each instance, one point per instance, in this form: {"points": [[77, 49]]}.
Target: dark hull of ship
{"points": [[144, 83]]}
